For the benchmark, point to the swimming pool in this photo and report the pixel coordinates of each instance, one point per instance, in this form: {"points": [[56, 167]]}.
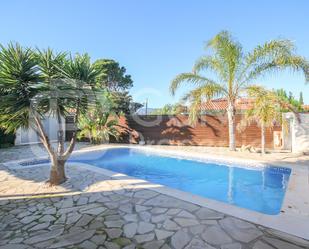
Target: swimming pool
{"points": [[260, 189]]}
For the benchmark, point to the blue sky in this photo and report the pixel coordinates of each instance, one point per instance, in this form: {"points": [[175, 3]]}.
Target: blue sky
{"points": [[156, 40]]}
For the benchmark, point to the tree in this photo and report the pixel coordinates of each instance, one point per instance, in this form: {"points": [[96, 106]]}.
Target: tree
{"points": [[112, 76], [123, 103], [301, 98], [169, 109], [266, 111], [234, 70], [281, 93], [98, 126], [44, 83]]}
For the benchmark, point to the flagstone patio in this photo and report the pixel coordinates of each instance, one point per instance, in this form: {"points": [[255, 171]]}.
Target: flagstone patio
{"points": [[95, 211]]}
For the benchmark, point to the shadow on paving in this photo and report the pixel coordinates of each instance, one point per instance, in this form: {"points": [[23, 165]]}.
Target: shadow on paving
{"points": [[128, 218]]}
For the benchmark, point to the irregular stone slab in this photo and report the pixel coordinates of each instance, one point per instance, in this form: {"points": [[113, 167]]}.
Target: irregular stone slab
{"points": [[23, 214], [16, 240], [50, 211], [145, 216], [73, 238], [260, 245], [240, 230], [131, 217], [165, 246], [280, 243], [84, 220], [72, 218], [130, 230], [186, 214], [98, 239], [236, 246], [170, 225], [89, 206], [114, 223], [88, 245], [128, 208], [47, 218], [67, 210], [208, 214], [196, 243], [29, 219], [162, 234], [169, 202], [111, 245], [122, 241], [14, 246], [173, 211], [129, 247], [145, 194], [180, 239], [145, 227], [67, 203], [112, 217], [144, 237], [159, 218], [44, 236], [94, 211], [184, 222], [61, 219], [40, 226], [214, 235], [153, 245], [158, 210], [82, 201], [140, 208], [198, 229], [209, 222], [113, 233]]}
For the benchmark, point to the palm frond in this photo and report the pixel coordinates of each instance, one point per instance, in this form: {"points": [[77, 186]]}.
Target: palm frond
{"points": [[190, 78]]}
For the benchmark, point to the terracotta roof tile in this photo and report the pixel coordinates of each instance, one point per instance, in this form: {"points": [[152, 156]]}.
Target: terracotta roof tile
{"points": [[221, 104]]}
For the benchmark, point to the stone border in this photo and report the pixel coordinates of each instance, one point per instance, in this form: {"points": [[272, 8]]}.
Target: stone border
{"points": [[288, 221]]}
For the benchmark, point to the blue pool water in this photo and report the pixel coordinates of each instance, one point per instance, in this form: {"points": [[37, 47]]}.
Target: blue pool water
{"points": [[259, 189]]}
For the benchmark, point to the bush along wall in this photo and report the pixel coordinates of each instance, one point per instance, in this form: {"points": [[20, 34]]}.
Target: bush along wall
{"points": [[6, 140]]}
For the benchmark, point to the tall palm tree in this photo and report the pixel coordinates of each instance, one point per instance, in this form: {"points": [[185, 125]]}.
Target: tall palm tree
{"points": [[233, 71], [36, 84], [266, 111]]}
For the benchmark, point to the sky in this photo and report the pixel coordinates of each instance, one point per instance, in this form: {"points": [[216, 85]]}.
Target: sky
{"points": [[157, 39]]}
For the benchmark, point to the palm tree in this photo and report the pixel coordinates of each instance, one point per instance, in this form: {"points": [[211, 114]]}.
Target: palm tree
{"points": [[36, 84], [266, 111], [233, 71], [98, 127]]}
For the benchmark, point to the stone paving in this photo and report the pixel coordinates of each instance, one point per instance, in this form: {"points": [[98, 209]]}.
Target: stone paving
{"points": [[92, 210]]}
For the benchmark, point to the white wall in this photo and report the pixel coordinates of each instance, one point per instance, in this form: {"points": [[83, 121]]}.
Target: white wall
{"points": [[299, 132], [29, 136]]}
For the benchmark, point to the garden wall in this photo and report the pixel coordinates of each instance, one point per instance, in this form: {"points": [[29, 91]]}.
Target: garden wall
{"points": [[210, 130]]}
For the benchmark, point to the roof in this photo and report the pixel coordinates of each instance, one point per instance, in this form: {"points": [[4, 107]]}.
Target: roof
{"points": [[221, 104], [306, 107]]}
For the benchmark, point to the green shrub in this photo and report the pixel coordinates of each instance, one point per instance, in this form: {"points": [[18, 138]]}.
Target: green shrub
{"points": [[6, 140]]}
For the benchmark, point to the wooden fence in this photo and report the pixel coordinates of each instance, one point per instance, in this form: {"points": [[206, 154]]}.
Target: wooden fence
{"points": [[210, 130]]}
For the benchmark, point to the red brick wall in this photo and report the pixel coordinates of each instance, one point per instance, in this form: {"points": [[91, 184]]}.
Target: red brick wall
{"points": [[209, 131]]}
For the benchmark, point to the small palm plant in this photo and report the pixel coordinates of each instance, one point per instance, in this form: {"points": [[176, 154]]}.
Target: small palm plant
{"points": [[98, 127], [227, 71], [266, 111]]}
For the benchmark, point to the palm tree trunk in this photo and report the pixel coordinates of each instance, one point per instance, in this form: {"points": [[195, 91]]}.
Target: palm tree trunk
{"points": [[263, 139], [57, 172], [231, 122]]}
